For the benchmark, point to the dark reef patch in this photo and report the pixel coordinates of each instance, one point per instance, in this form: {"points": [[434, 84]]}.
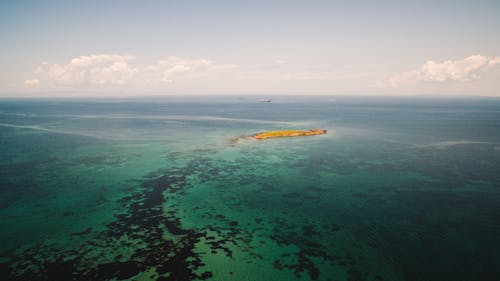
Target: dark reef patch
{"points": [[300, 262], [141, 229], [143, 236]]}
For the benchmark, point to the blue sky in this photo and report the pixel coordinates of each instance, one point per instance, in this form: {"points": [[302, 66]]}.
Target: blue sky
{"points": [[249, 47]]}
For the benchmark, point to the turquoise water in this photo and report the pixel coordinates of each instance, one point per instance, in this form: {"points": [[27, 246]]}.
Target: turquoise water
{"points": [[168, 189]]}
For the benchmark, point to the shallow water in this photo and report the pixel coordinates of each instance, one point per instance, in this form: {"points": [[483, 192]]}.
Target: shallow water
{"points": [[157, 189]]}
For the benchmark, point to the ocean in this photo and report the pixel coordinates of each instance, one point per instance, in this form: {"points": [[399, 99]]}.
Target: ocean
{"points": [[172, 188]]}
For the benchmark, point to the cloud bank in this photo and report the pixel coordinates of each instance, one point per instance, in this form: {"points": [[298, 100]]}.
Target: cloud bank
{"points": [[464, 70], [103, 69], [177, 74], [117, 70]]}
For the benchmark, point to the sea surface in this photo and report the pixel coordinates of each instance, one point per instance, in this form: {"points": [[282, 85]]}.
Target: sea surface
{"points": [[173, 189]]}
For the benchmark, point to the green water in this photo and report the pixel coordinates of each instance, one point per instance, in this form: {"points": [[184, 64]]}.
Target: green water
{"points": [[399, 189]]}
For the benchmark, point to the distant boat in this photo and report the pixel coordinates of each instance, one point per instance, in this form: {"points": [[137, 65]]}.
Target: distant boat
{"points": [[265, 100]]}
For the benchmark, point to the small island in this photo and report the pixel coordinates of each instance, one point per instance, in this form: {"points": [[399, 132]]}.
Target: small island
{"points": [[288, 133]]}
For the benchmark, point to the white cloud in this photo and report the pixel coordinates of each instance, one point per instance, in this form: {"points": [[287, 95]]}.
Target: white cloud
{"points": [[115, 69], [32, 82], [464, 70], [103, 69], [175, 66]]}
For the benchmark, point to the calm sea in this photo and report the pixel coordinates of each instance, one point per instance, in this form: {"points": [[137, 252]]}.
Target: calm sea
{"points": [[171, 189]]}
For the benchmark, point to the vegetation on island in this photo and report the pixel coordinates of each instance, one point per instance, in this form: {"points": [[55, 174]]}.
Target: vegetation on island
{"points": [[288, 133]]}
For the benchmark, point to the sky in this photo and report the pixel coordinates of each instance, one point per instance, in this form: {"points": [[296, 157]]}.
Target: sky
{"points": [[191, 47]]}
